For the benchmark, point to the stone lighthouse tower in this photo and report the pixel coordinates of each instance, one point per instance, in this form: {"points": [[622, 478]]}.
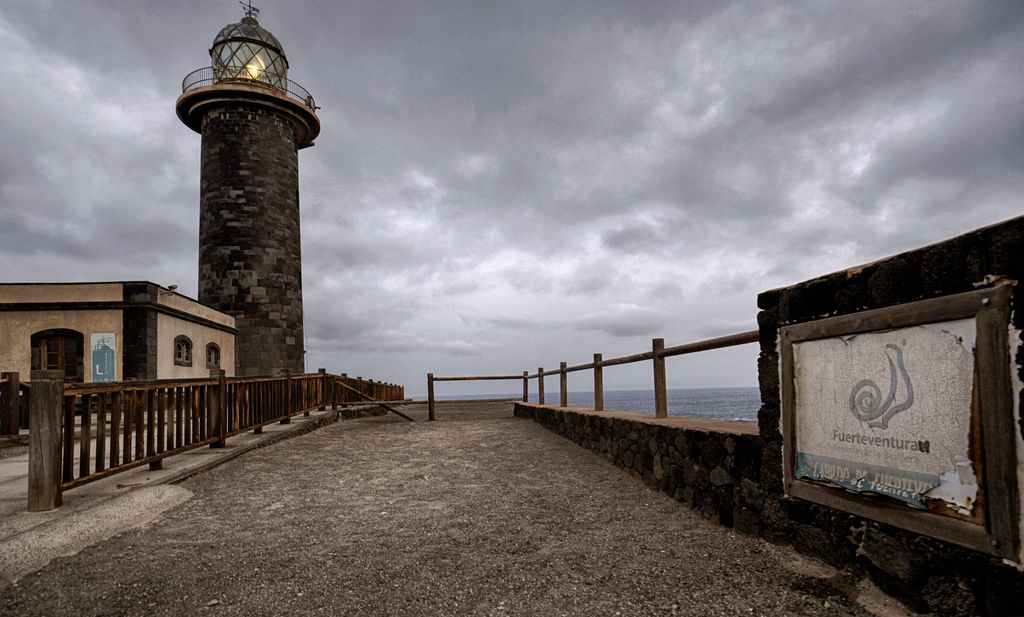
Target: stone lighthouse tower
{"points": [[253, 121]]}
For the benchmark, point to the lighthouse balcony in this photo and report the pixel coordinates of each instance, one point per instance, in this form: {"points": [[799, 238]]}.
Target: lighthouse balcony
{"points": [[246, 76]]}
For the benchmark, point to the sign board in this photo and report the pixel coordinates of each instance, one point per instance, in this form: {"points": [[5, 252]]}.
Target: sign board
{"points": [[889, 413], [905, 415], [104, 356]]}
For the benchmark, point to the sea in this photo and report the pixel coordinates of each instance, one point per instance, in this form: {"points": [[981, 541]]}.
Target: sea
{"points": [[737, 404]]}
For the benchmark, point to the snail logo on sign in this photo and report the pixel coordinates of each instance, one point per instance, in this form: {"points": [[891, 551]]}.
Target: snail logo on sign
{"points": [[866, 402]]}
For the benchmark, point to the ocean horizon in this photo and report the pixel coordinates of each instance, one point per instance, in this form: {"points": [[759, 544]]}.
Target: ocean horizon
{"points": [[737, 404]]}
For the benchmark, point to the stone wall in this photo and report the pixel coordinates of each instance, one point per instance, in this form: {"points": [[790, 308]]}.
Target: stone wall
{"points": [[713, 467], [249, 245], [736, 479]]}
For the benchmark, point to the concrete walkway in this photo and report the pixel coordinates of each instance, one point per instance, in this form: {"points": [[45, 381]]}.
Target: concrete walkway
{"points": [[96, 511], [478, 513]]}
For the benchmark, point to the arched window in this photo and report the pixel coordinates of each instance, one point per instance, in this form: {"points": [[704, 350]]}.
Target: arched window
{"points": [[182, 351], [60, 350], [212, 356]]}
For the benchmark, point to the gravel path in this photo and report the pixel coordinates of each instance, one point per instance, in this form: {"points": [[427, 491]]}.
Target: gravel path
{"points": [[478, 513]]}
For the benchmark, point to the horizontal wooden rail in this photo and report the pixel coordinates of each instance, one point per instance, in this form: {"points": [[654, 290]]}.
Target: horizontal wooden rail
{"points": [[731, 340], [657, 356], [478, 378], [707, 345]]}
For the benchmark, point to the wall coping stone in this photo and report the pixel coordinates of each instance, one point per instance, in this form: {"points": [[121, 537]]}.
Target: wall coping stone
{"points": [[679, 422]]}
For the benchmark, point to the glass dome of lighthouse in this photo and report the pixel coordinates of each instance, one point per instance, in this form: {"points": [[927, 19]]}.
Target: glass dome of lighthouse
{"points": [[246, 51], [247, 68]]}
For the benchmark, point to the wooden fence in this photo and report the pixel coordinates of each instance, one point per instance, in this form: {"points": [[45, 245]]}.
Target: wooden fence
{"points": [[92, 431], [13, 404], [657, 357]]}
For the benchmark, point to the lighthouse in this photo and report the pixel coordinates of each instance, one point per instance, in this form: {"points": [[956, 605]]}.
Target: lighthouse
{"points": [[253, 121]]}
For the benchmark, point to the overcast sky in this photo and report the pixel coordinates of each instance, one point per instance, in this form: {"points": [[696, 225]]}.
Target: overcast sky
{"points": [[504, 185]]}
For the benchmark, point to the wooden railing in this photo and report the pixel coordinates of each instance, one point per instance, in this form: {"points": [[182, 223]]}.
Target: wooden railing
{"points": [[657, 356], [13, 404], [91, 431], [431, 379]]}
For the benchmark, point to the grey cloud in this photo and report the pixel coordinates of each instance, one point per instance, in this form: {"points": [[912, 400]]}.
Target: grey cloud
{"points": [[622, 321], [592, 170], [641, 236]]}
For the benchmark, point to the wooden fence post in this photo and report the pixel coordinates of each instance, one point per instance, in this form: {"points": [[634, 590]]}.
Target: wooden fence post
{"points": [[598, 383], [540, 385], [526, 386], [9, 405], [563, 384], [660, 388], [323, 390], [334, 392], [289, 403], [430, 397], [152, 413], [24, 402], [219, 412], [44, 449]]}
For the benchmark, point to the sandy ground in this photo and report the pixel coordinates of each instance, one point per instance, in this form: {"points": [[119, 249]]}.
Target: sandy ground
{"points": [[478, 513]]}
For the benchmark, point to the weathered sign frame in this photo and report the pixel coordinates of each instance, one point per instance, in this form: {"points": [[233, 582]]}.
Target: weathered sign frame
{"points": [[993, 414]]}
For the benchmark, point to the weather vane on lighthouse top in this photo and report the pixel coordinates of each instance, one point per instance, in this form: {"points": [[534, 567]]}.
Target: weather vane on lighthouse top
{"points": [[250, 10]]}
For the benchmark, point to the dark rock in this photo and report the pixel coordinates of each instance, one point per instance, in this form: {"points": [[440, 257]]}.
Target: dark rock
{"points": [[747, 458], [724, 504], [751, 494], [1006, 250], [689, 496], [774, 515], [681, 444], [852, 295], [768, 299], [708, 510], [813, 541], [689, 473], [767, 325], [944, 268], [703, 478], [892, 555], [819, 296], [746, 521], [674, 456], [771, 467], [894, 281], [1003, 589], [643, 461], [791, 307], [711, 452], [658, 469], [950, 596], [720, 477]]}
